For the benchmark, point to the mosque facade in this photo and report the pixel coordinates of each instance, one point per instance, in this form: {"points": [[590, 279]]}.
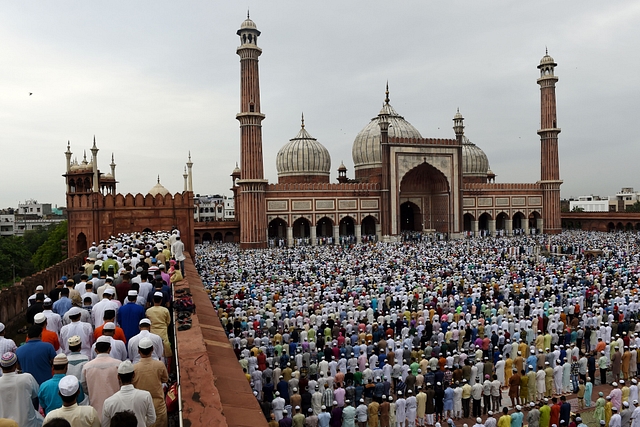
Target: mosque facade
{"points": [[402, 181]]}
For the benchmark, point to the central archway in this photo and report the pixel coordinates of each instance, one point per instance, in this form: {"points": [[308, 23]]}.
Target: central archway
{"points": [[410, 217], [428, 192]]}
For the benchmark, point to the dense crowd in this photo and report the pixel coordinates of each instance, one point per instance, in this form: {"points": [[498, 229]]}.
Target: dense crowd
{"points": [[431, 331], [98, 348]]}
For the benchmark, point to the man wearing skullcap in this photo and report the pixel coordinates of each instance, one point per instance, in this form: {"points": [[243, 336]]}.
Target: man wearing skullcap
{"points": [[69, 390], [149, 375], [128, 398], [100, 376], [17, 392], [48, 395], [6, 344], [160, 321]]}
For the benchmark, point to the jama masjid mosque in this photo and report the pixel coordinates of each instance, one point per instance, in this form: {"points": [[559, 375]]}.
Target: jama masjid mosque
{"points": [[402, 182]]}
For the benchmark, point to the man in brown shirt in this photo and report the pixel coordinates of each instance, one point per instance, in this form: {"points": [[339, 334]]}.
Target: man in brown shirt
{"points": [[514, 388], [385, 408], [616, 362], [149, 376]]}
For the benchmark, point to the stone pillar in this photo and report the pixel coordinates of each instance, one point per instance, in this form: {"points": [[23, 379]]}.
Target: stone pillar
{"points": [[508, 225], [474, 227], [540, 225], [290, 236], [492, 227], [379, 232], [525, 226], [336, 234], [312, 229], [358, 228]]}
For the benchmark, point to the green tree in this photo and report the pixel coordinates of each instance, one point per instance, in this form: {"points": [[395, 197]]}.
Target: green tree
{"points": [[51, 251], [633, 208], [14, 258], [577, 209], [33, 239]]}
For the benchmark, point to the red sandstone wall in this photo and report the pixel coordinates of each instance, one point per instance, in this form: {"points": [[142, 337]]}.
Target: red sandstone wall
{"points": [[100, 217], [13, 300], [215, 391], [303, 179]]}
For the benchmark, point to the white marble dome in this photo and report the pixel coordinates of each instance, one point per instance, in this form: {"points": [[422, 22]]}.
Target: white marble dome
{"points": [[248, 24], [158, 189], [474, 161], [303, 155], [366, 151]]}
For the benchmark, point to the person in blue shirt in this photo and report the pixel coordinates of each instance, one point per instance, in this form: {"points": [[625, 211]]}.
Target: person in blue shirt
{"points": [[48, 395], [324, 417], [36, 356], [63, 304], [130, 315], [517, 417]]}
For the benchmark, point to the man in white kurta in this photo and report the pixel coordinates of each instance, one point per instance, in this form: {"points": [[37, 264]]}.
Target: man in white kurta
{"points": [[79, 328], [129, 398], [401, 414], [17, 392]]}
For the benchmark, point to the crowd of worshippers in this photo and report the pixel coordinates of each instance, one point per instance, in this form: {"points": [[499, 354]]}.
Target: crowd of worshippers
{"points": [[431, 332], [98, 347]]}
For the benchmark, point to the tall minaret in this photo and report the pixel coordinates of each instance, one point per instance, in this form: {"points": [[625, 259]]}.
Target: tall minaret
{"points": [[94, 160], [253, 219], [550, 167]]}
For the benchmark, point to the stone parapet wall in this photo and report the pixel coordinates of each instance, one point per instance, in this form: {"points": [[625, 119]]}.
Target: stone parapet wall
{"points": [[214, 390], [13, 300]]}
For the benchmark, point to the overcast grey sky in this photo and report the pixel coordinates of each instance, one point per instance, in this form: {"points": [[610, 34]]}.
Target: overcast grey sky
{"points": [[154, 79]]}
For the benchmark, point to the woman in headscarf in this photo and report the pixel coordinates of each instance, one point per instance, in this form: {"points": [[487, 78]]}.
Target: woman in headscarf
{"points": [[588, 389]]}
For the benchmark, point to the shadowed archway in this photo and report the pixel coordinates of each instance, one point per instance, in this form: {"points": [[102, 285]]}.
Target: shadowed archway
{"points": [[410, 217], [81, 243], [277, 229], [427, 189]]}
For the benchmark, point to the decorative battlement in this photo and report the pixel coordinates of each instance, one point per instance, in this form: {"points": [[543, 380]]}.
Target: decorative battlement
{"points": [[128, 200], [423, 141], [471, 186], [312, 186]]}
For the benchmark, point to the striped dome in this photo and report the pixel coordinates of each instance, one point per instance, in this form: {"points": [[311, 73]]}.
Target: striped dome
{"points": [[474, 161], [303, 155], [367, 151]]}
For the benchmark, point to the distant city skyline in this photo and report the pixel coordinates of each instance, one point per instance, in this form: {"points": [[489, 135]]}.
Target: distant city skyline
{"points": [[152, 84]]}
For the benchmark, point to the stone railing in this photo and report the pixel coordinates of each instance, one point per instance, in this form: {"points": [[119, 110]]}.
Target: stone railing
{"points": [[14, 300]]}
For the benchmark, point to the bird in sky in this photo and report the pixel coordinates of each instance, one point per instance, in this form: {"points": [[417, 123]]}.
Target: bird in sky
{"points": [[30, 93]]}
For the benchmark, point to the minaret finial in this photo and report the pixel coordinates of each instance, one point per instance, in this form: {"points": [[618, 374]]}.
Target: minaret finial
{"points": [[458, 109], [546, 51], [111, 157], [189, 155], [247, 13], [158, 178], [302, 119], [386, 99]]}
